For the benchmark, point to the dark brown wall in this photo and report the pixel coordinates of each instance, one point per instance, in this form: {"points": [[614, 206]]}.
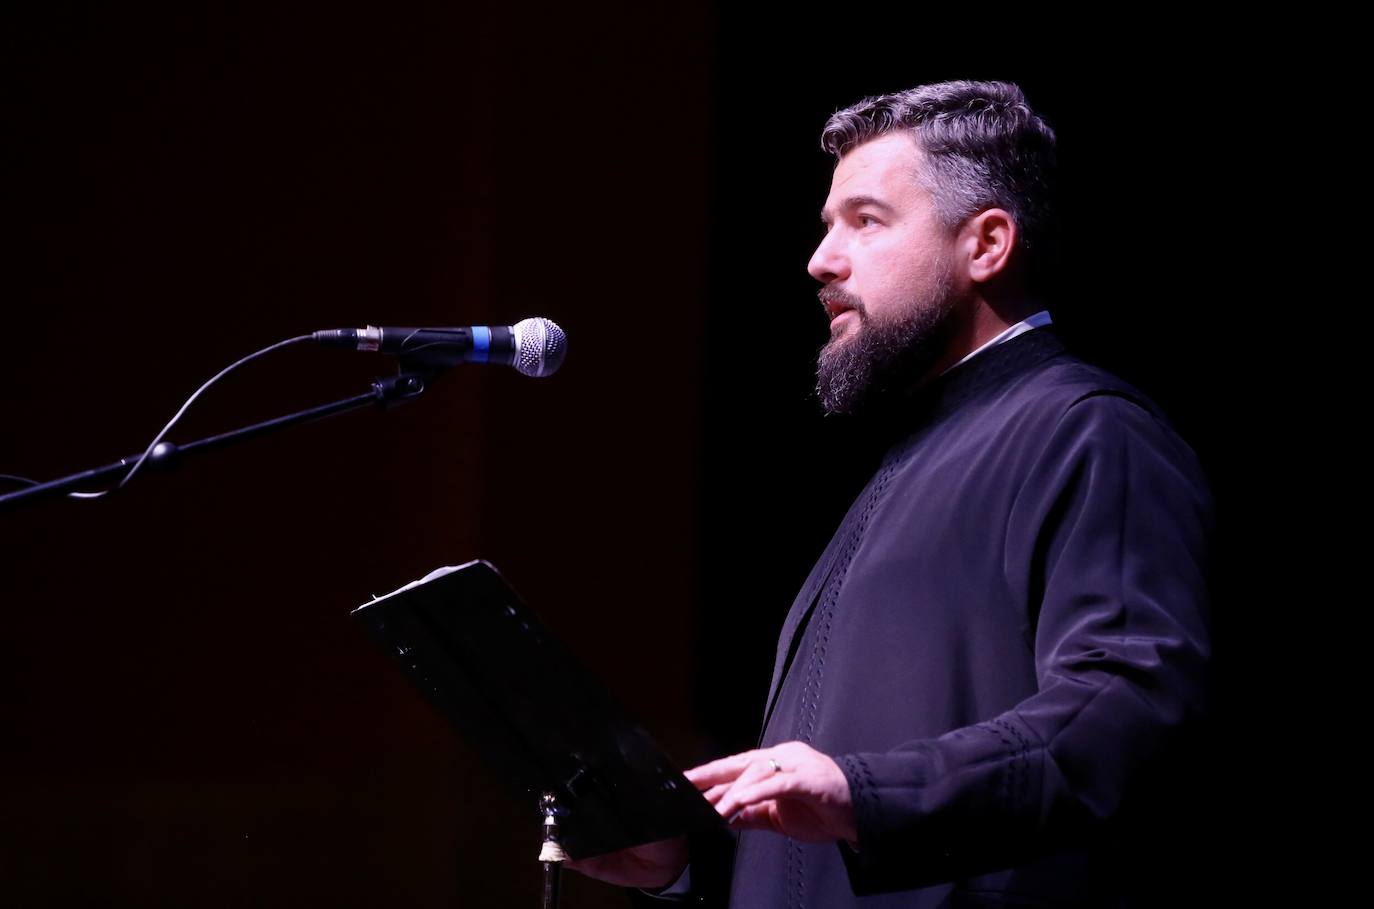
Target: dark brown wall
{"points": [[192, 718]]}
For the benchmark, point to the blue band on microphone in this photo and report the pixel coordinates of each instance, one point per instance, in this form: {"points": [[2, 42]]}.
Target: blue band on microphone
{"points": [[481, 343]]}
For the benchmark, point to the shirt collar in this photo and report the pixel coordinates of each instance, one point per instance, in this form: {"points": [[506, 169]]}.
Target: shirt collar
{"points": [[1020, 328]]}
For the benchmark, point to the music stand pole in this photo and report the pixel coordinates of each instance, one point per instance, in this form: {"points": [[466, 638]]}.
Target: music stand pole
{"points": [[551, 854]]}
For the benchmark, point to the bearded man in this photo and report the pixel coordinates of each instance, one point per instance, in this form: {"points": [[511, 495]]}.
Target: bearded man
{"points": [[1007, 637]]}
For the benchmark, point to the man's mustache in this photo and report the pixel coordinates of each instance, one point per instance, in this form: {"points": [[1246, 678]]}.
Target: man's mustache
{"points": [[838, 297]]}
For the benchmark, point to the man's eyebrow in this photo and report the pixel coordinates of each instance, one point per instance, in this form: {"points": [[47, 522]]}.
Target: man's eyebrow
{"points": [[849, 203]]}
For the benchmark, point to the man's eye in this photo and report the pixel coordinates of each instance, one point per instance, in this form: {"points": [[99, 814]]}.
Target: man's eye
{"points": [[866, 220]]}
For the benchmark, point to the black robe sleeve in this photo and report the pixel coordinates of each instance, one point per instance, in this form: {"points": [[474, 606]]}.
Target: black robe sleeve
{"points": [[1107, 541], [712, 854]]}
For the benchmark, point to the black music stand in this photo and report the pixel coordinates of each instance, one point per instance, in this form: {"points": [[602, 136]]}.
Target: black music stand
{"points": [[545, 725]]}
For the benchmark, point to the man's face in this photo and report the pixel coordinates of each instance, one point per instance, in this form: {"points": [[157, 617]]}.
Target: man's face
{"points": [[887, 266]]}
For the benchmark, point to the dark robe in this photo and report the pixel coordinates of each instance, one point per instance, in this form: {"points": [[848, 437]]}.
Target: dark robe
{"points": [[1002, 647]]}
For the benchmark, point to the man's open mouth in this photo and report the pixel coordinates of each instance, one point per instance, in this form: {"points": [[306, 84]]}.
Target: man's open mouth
{"points": [[836, 304]]}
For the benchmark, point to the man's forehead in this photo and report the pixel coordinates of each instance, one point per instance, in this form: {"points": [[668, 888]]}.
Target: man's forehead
{"points": [[882, 171]]}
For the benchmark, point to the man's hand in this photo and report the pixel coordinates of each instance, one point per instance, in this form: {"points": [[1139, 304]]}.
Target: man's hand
{"points": [[650, 866], [790, 789]]}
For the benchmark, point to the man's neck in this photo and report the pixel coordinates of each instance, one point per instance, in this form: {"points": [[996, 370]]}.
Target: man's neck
{"points": [[976, 324]]}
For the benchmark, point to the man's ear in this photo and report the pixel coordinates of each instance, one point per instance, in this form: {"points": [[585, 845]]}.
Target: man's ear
{"points": [[987, 239]]}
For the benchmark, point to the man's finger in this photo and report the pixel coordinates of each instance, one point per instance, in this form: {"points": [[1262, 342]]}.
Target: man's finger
{"points": [[745, 794], [763, 816], [715, 792], [723, 770]]}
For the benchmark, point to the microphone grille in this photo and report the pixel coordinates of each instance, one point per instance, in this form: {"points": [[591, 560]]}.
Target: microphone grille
{"points": [[540, 347]]}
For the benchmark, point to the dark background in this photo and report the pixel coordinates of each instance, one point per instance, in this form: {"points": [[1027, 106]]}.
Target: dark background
{"points": [[190, 718]]}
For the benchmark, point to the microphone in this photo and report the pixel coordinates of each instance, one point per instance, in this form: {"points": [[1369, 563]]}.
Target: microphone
{"points": [[535, 347]]}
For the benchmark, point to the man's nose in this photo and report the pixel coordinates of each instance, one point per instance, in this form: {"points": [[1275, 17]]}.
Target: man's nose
{"points": [[828, 263]]}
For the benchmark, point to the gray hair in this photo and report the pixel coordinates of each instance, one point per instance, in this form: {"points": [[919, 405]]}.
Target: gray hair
{"points": [[985, 149]]}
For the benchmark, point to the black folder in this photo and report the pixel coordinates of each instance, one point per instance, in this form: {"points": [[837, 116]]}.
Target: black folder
{"points": [[541, 721]]}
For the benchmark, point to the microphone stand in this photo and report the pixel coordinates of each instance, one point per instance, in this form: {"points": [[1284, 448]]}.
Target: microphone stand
{"points": [[391, 390]]}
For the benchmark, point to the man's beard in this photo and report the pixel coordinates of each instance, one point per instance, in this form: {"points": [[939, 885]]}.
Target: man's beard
{"points": [[883, 356]]}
